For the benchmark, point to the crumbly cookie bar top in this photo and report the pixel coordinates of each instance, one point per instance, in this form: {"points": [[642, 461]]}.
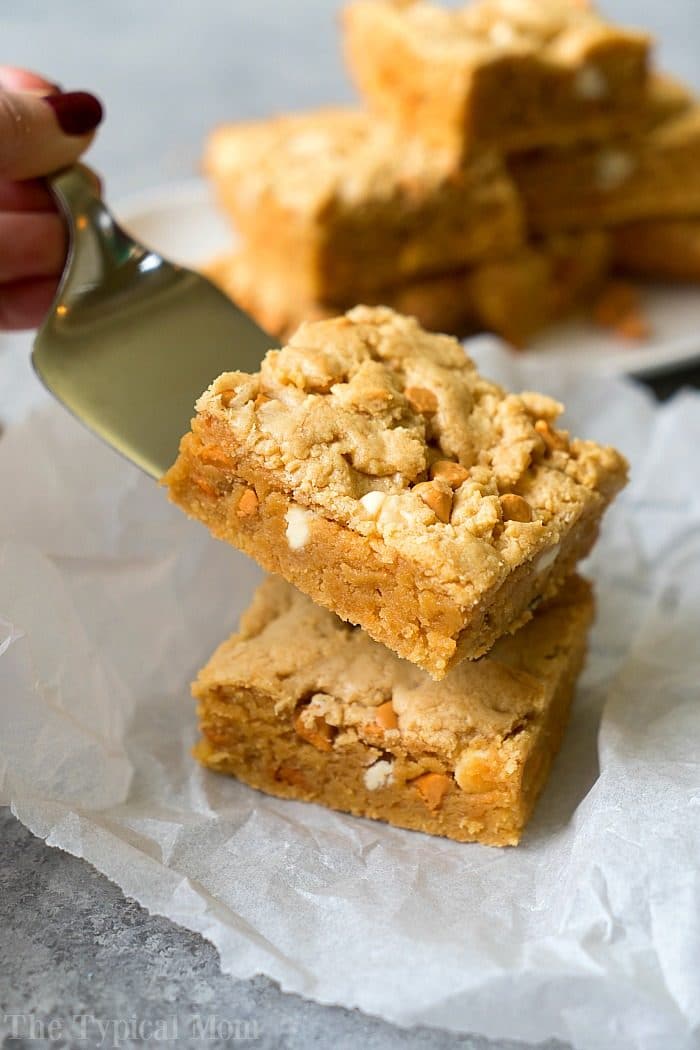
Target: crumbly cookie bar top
{"points": [[390, 430]]}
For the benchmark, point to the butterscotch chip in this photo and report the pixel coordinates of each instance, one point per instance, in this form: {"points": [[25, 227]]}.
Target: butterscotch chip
{"points": [[473, 752], [347, 516], [620, 309], [373, 734], [214, 456], [204, 487], [515, 508], [385, 716], [227, 397], [432, 787], [248, 504], [316, 732], [439, 501], [555, 440], [421, 400], [452, 473]]}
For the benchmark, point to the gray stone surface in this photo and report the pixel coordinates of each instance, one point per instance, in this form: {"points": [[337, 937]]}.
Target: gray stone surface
{"points": [[71, 945], [76, 953]]}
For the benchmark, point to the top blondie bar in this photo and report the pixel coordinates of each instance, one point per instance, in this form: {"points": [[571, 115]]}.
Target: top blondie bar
{"points": [[505, 74], [371, 465]]}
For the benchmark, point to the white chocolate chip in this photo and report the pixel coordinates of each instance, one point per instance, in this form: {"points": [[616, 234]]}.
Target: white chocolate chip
{"points": [[372, 502], [613, 168], [397, 512], [590, 84], [546, 560], [501, 34], [298, 531], [380, 775]]}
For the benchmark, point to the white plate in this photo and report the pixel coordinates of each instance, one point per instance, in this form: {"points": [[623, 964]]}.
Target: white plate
{"points": [[182, 222]]}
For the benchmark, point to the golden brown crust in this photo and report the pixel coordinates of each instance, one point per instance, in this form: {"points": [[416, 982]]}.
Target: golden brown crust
{"points": [[300, 705], [355, 207], [509, 74], [331, 438], [395, 601]]}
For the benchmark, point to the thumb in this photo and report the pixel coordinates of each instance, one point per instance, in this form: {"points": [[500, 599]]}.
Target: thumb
{"points": [[12, 78], [41, 134]]}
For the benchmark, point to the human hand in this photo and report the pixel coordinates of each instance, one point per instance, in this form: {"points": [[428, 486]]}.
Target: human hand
{"points": [[41, 131]]}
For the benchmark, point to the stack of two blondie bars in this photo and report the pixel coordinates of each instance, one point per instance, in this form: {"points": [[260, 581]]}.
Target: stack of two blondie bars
{"points": [[437, 521], [412, 202]]}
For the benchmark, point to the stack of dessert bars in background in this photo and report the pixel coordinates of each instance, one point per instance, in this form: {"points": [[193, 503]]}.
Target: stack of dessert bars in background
{"points": [[512, 154], [414, 657]]}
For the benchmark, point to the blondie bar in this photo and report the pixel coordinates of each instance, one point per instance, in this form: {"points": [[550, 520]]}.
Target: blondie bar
{"points": [[301, 705], [654, 174], [665, 249], [503, 74], [354, 206], [513, 297], [371, 465]]}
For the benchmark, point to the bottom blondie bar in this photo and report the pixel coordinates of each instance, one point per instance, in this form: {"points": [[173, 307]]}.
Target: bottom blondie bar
{"points": [[514, 297], [302, 705]]}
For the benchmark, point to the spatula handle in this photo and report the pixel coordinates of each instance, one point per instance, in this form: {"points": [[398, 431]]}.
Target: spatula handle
{"points": [[98, 245]]}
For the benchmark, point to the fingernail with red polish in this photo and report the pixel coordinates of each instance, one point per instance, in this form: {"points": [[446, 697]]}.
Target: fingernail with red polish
{"points": [[77, 112]]}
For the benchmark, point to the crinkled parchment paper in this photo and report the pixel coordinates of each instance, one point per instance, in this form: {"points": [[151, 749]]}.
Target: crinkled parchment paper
{"points": [[590, 931]]}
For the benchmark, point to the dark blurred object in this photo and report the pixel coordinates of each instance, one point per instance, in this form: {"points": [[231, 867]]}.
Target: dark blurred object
{"points": [[667, 385]]}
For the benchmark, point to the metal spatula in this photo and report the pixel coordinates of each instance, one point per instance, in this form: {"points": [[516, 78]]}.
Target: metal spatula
{"points": [[132, 340]]}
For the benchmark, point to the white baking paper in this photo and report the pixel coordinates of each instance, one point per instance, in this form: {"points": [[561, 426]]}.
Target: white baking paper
{"points": [[589, 931]]}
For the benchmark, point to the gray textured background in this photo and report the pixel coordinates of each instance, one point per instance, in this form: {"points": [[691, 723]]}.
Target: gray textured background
{"points": [[70, 944], [169, 69]]}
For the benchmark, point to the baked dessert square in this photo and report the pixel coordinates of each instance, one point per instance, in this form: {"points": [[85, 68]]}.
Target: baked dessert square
{"points": [[301, 705], [661, 249], [502, 74], [354, 206], [653, 174], [513, 297], [553, 277], [370, 464]]}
